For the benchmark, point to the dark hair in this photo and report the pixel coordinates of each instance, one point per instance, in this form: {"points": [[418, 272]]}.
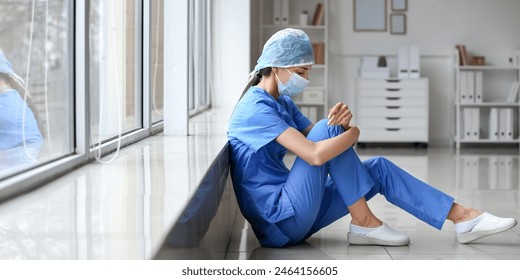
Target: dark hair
{"points": [[257, 78]]}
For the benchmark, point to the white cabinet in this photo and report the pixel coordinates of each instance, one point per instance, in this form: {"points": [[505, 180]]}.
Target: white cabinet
{"points": [[486, 103], [276, 15], [392, 110]]}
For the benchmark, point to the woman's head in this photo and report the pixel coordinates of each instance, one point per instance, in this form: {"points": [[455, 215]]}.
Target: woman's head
{"points": [[285, 49]]}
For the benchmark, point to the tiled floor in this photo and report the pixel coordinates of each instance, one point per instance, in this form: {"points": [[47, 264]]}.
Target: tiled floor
{"points": [[124, 209], [483, 178]]}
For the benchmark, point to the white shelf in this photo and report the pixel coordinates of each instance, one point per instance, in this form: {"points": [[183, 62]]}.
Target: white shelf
{"points": [[488, 67], [490, 104], [303, 27], [489, 141]]}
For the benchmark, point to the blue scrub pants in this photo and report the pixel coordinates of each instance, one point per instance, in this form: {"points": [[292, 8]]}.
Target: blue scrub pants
{"points": [[319, 199]]}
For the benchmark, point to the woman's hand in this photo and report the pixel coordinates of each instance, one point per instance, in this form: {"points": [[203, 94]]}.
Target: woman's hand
{"points": [[340, 115]]}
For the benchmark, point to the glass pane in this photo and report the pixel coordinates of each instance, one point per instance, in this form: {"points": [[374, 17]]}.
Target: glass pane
{"points": [[115, 95], [199, 56], [35, 84], [157, 70]]}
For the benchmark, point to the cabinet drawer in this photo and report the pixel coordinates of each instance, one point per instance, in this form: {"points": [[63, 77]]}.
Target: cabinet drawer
{"points": [[393, 135], [392, 101], [392, 122], [393, 92], [392, 111], [393, 83]]}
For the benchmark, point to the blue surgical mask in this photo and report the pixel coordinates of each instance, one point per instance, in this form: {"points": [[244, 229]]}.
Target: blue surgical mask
{"points": [[295, 85]]}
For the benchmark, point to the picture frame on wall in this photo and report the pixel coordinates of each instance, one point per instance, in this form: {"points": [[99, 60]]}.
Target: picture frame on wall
{"points": [[399, 5], [370, 15], [398, 24]]}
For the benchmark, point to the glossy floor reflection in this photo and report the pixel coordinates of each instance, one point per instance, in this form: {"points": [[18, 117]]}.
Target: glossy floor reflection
{"points": [[483, 178], [125, 209]]}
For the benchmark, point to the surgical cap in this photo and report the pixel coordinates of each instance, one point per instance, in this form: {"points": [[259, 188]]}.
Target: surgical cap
{"points": [[286, 48], [7, 68]]}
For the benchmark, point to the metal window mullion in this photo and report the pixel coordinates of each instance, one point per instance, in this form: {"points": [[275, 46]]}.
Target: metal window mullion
{"points": [[146, 63]]}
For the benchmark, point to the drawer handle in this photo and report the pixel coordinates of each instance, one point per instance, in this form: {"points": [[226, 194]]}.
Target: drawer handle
{"points": [[393, 118], [393, 80], [393, 98], [392, 129], [393, 89], [393, 107]]}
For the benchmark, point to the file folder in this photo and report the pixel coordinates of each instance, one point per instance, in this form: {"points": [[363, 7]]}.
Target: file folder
{"points": [[403, 64], [493, 124], [285, 12], [413, 62], [475, 123], [277, 12], [478, 86]]}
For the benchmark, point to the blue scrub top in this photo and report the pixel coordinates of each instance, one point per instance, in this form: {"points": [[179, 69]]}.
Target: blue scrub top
{"points": [[11, 120], [257, 168]]}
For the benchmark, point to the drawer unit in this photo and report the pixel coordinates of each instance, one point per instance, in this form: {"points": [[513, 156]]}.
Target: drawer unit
{"points": [[394, 110]]}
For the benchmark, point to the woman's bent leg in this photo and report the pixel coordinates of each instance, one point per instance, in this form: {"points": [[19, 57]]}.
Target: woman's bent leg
{"points": [[317, 203]]}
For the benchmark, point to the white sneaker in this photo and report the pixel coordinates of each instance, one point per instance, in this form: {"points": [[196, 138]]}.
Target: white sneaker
{"points": [[488, 225], [383, 236]]}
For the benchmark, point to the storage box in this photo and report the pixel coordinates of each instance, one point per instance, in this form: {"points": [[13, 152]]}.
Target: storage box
{"points": [[313, 95]]}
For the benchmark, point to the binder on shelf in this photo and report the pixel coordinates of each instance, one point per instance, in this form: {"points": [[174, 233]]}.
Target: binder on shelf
{"points": [[467, 125], [403, 63], [277, 12], [464, 98], [493, 124], [475, 123], [470, 86], [413, 62], [318, 14], [509, 123], [285, 12], [479, 75], [505, 123]]}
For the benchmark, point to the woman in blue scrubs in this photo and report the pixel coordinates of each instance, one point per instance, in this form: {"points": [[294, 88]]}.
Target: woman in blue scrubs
{"points": [[327, 180], [20, 136]]}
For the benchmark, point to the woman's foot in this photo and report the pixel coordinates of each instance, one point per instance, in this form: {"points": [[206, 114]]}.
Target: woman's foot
{"points": [[382, 235], [481, 226]]}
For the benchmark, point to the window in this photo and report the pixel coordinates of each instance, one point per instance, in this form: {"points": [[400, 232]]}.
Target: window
{"points": [[36, 112], [115, 68], [157, 59], [199, 56]]}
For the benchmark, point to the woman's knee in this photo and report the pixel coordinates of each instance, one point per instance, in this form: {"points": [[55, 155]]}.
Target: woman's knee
{"points": [[321, 131]]}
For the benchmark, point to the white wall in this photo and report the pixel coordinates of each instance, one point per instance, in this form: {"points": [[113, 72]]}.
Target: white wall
{"points": [[230, 50], [486, 27]]}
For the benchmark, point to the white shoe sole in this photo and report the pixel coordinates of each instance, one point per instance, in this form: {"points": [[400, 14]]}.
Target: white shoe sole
{"points": [[357, 239], [472, 236]]}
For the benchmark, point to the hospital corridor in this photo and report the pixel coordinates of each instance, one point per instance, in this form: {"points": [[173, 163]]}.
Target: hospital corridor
{"points": [[271, 130]]}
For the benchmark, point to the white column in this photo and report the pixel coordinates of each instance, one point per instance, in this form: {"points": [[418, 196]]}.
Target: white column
{"points": [[175, 68]]}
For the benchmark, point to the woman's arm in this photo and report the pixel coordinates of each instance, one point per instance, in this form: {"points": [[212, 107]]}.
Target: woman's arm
{"points": [[317, 153]]}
